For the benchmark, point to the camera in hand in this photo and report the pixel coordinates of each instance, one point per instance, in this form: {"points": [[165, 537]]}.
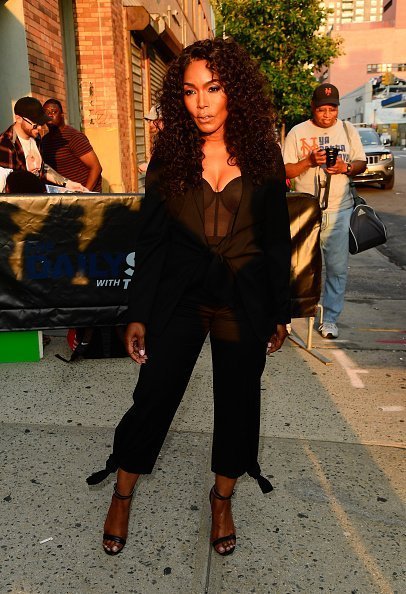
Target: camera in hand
{"points": [[331, 155]]}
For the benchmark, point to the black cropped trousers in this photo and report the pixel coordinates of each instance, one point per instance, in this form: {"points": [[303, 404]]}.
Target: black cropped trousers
{"points": [[238, 358]]}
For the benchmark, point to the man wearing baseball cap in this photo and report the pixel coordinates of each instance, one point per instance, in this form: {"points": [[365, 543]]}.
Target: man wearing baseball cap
{"points": [[304, 154], [153, 114], [154, 119], [20, 144]]}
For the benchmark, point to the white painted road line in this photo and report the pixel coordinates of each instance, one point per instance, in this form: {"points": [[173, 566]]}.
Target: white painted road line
{"points": [[348, 365]]}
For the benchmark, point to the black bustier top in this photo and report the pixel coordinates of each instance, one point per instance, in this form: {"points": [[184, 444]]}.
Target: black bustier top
{"points": [[220, 209]]}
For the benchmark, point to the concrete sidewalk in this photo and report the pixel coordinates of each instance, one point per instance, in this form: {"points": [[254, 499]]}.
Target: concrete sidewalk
{"points": [[331, 441]]}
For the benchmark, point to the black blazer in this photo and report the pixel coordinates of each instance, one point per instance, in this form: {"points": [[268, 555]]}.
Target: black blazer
{"points": [[171, 245]]}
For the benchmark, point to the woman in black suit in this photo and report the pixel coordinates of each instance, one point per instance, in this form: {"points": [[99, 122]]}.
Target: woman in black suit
{"points": [[212, 257]]}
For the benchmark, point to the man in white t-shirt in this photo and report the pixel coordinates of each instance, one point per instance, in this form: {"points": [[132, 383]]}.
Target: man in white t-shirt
{"points": [[305, 161], [19, 144], [3, 177], [154, 120]]}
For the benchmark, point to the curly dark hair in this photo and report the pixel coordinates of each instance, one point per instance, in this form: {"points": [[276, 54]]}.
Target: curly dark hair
{"points": [[250, 127]]}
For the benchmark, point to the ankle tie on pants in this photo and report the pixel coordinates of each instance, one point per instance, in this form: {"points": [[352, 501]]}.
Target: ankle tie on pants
{"points": [[98, 477], [112, 466], [263, 483]]}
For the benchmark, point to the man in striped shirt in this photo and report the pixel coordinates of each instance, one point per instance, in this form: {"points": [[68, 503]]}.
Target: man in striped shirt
{"points": [[69, 151]]}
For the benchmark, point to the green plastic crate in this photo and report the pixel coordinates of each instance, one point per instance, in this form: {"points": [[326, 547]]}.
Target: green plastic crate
{"points": [[20, 346]]}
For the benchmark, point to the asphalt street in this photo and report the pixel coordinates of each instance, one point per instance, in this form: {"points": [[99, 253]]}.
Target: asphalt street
{"points": [[391, 205]]}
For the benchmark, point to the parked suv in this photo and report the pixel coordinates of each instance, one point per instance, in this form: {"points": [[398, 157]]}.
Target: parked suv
{"points": [[380, 161]]}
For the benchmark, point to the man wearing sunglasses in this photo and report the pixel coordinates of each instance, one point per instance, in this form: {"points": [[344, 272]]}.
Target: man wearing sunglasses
{"points": [[20, 144]]}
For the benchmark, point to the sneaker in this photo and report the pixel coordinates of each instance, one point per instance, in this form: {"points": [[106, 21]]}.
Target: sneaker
{"points": [[328, 330]]}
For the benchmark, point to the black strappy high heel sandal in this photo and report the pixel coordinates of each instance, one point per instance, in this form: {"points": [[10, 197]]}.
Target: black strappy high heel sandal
{"points": [[118, 539], [218, 541]]}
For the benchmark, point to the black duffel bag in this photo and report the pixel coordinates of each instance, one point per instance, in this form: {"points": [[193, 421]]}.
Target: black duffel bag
{"points": [[366, 228]]}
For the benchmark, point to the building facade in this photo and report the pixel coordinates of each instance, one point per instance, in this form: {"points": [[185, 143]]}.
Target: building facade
{"points": [[370, 48], [104, 60], [351, 11], [380, 106]]}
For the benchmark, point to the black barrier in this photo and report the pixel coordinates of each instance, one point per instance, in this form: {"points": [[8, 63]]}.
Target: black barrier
{"points": [[67, 260], [305, 277]]}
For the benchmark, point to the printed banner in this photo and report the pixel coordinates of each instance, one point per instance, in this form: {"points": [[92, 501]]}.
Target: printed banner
{"points": [[65, 260]]}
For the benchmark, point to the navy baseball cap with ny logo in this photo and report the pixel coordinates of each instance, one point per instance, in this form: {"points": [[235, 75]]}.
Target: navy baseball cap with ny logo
{"points": [[325, 94]]}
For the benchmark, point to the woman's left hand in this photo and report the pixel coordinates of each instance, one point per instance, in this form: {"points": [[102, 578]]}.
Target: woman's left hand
{"points": [[277, 339]]}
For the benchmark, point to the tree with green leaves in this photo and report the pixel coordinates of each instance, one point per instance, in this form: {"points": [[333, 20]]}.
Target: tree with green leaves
{"points": [[284, 36]]}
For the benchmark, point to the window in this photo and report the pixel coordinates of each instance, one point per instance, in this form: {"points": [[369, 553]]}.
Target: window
{"points": [[368, 136], [401, 67]]}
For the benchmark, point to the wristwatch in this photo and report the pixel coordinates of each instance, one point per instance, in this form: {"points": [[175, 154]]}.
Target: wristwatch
{"points": [[349, 168]]}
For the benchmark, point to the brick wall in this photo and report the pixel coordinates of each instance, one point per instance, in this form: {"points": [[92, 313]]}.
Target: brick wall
{"points": [[101, 56], [44, 48], [123, 82], [102, 52]]}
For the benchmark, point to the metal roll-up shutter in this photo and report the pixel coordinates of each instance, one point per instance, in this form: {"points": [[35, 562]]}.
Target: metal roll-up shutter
{"points": [[157, 70], [136, 68]]}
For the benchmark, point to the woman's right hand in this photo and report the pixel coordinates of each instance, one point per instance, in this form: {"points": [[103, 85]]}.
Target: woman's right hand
{"points": [[134, 340]]}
